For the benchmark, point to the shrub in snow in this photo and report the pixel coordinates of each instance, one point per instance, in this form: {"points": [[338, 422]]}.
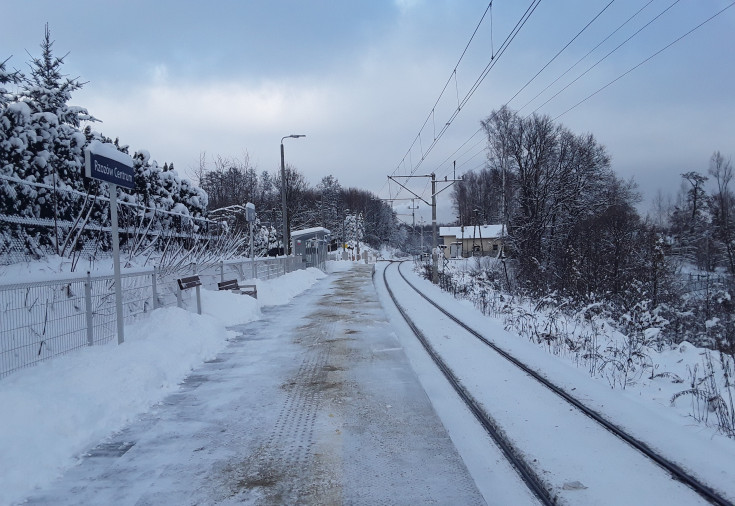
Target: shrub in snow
{"points": [[621, 347], [711, 392]]}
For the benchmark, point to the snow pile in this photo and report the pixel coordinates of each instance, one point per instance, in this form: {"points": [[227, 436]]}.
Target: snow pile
{"points": [[61, 407], [230, 308], [284, 288], [338, 265]]}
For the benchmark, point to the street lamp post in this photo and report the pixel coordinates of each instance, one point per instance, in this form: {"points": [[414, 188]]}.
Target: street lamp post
{"points": [[283, 194]]}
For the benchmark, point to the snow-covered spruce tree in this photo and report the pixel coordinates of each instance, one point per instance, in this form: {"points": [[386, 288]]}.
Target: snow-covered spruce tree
{"points": [[354, 228], [54, 154], [330, 203], [41, 143], [265, 237], [14, 119], [164, 190], [14, 136], [16, 157], [7, 78]]}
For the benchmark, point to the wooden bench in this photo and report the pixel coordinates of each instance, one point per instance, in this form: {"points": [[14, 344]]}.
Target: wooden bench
{"points": [[190, 282], [235, 287], [185, 284]]}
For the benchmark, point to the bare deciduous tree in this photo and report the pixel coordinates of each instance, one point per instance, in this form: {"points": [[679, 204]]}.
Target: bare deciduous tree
{"points": [[724, 206]]}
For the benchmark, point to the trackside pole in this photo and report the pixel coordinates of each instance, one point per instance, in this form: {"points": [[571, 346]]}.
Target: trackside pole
{"points": [[105, 162], [116, 263]]}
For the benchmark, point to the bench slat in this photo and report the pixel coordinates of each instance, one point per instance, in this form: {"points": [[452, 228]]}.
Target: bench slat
{"points": [[232, 284], [189, 282], [228, 285]]}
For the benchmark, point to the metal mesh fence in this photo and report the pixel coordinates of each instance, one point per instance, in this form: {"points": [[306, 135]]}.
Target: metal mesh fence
{"points": [[45, 319], [83, 230], [39, 321]]}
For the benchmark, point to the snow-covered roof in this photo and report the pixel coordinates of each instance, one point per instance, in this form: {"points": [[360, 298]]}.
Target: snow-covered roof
{"points": [[308, 231], [472, 232]]}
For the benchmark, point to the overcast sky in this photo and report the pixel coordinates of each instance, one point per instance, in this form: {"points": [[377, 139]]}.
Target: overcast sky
{"points": [[360, 78]]}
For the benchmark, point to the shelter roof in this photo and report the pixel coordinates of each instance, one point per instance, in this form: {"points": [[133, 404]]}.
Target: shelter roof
{"points": [[472, 231]]}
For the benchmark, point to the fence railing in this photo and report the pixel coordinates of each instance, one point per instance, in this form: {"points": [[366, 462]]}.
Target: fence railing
{"points": [[44, 319], [691, 283]]}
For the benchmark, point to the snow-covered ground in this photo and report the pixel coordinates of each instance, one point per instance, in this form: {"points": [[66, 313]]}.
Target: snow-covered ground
{"points": [[693, 384], [54, 412], [61, 407], [643, 410], [314, 403]]}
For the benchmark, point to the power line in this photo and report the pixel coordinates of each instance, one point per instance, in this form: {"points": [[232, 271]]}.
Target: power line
{"points": [[608, 54], [491, 64], [567, 45], [647, 59], [510, 38], [452, 75], [455, 167], [506, 43], [586, 55], [493, 60], [561, 51], [452, 156]]}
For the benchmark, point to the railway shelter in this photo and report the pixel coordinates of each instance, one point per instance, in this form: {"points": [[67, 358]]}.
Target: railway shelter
{"points": [[311, 244]]}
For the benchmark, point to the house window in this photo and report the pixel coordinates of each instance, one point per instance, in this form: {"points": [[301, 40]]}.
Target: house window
{"points": [[495, 247]]}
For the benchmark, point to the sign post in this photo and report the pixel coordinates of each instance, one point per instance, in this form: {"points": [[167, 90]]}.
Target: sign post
{"points": [[105, 163], [250, 218]]}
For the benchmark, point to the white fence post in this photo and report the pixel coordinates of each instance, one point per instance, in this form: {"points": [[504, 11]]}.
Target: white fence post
{"points": [[154, 287]]}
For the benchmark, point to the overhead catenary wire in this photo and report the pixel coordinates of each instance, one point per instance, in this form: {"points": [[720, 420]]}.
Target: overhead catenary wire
{"points": [[586, 55], [581, 59], [494, 59], [643, 62], [438, 135], [453, 155], [562, 50], [558, 53], [452, 75], [589, 69], [506, 43], [580, 32], [461, 158], [521, 22]]}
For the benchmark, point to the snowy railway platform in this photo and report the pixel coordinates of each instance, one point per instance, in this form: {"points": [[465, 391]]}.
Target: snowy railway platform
{"points": [[314, 403]]}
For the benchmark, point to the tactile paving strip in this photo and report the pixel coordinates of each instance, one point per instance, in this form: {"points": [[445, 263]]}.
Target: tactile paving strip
{"points": [[284, 460]]}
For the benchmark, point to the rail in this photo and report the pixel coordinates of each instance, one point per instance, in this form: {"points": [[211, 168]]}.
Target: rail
{"points": [[676, 471], [526, 473]]}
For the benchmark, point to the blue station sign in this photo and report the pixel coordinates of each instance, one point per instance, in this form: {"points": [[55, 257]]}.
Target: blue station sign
{"points": [[105, 163]]}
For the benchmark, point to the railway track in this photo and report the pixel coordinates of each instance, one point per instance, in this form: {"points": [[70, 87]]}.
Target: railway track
{"points": [[531, 470]]}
